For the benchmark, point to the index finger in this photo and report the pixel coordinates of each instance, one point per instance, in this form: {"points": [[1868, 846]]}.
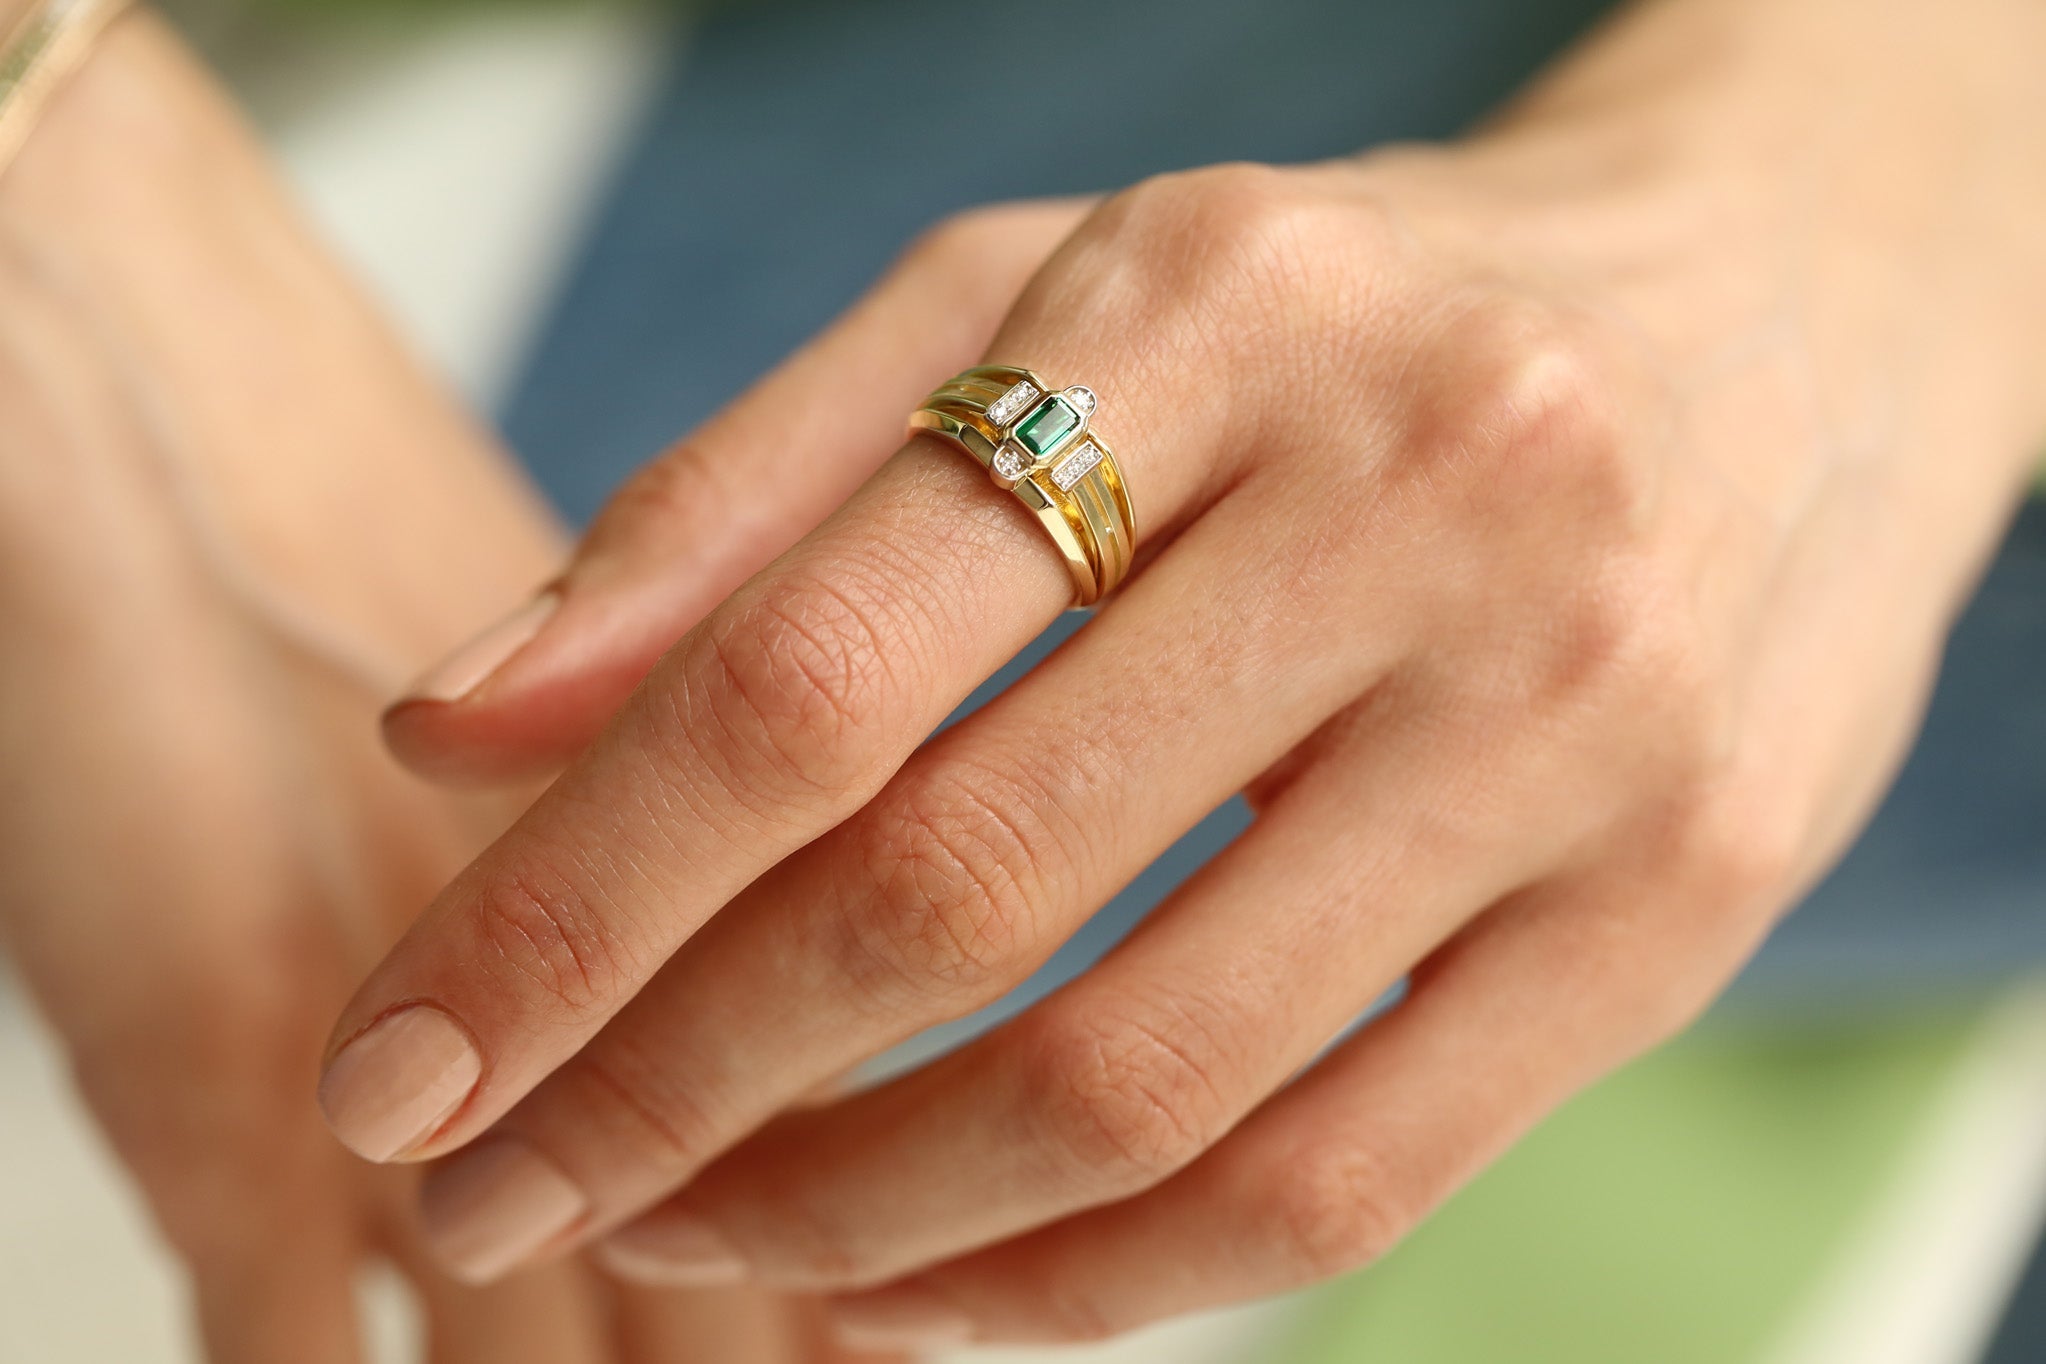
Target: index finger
{"points": [[773, 720]]}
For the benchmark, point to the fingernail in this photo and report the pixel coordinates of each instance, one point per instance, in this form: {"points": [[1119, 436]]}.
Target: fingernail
{"points": [[904, 1318], [394, 1085], [673, 1250], [466, 669], [488, 1209]]}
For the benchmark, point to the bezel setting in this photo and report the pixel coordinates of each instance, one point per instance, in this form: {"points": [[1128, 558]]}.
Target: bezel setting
{"points": [[1012, 415]]}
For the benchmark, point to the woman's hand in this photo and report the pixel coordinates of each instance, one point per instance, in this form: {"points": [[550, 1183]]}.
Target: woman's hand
{"points": [[1554, 534], [233, 514]]}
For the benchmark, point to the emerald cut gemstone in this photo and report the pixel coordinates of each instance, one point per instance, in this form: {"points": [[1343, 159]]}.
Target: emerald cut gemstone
{"points": [[1047, 428]]}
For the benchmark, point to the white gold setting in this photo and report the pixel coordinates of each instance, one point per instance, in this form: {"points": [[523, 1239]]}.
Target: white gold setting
{"points": [[1012, 404], [1070, 460], [1076, 466]]}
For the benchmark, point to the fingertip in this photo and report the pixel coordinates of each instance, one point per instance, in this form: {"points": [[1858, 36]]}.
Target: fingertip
{"points": [[470, 744], [904, 1317], [571, 664], [497, 1206], [472, 665], [393, 1085], [464, 720], [545, 700]]}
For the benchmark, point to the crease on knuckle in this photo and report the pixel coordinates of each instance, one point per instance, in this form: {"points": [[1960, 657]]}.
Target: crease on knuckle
{"points": [[546, 936], [1077, 1313], [1126, 1100], [1336, 1208], [802, 684], [955, 870], [683, 489]]}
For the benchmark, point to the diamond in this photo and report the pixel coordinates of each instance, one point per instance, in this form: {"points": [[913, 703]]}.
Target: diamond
{"points": [[1012, 461], [1076, 466], [1011, 405], [1081, 398]]}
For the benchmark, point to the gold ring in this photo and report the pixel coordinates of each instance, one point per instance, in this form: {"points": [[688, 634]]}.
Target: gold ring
{"points": [[1037, 441]]}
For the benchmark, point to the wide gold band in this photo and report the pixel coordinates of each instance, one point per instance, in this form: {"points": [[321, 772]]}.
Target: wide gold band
{"points": [[49, 43], [1038, 442]]}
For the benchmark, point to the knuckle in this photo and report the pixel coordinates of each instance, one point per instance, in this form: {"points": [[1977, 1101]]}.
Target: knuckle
{"points": [[954, 868], [1335, 1209], [546, 940], [966, 241], [1126, 1101], [1706, 871], [1629, 640], [1523, 402], [801, 683], [1738, 846], [1239, 237], [675, 493]]}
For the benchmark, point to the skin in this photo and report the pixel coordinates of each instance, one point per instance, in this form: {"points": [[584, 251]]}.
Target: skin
{"points": [[209, 589], [1554, 533]]}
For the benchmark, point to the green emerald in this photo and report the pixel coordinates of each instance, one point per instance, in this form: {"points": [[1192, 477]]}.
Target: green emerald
{"points": [[1044, 430]]}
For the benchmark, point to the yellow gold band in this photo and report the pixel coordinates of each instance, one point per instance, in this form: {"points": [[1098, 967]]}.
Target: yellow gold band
{"points": [[49, 43], [1037, 441]]}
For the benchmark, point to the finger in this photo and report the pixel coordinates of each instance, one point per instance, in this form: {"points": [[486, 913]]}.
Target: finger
{"points": [[724, 1326], [697, 521], [556, 1314], [772, 721], [992, 846], [1544, 994], [289, 1294], [268, 1225], [670, 1325], [1131, 1072]]}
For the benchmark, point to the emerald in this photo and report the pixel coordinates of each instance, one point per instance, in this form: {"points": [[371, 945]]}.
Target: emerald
{"points": [[1049, 427]]}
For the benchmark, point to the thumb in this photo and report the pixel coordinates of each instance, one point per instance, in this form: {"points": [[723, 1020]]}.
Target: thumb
{"points": [[525, 695]]}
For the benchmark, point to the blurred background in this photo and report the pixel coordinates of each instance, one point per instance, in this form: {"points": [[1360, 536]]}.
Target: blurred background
{"points": [[600, 220]]}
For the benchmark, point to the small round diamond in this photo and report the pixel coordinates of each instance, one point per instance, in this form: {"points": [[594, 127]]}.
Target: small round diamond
{"points": [[1011, 462], [1082, 398], [1076, 466], [1011, 404]]}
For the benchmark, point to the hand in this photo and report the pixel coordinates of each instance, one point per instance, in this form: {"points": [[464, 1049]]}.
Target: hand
{"points": [[1555, 535], [209, 584]]}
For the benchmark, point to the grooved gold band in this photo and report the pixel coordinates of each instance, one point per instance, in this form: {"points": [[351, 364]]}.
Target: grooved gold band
{"points": [[50, 42], [1037, 441]]}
